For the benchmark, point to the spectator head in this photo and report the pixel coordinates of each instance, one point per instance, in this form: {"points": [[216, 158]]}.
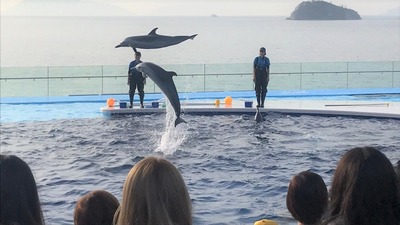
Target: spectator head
{"points": [[19, 196], [365, 189], [307, 197], [96, 208], [154, 193]]}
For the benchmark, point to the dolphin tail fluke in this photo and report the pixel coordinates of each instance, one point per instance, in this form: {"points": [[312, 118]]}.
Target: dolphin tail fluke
{"points": [[193, 36], [258, 117], [178, 121]]}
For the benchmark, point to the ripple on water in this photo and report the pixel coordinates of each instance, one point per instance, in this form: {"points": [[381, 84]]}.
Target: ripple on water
{"points": [[236, 170]]}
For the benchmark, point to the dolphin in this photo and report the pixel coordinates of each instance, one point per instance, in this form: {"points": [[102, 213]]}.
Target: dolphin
{"points": [[258, 117], [153, 40], [164, 81]]}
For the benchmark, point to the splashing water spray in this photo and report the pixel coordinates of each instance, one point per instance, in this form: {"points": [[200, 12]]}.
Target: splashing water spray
{"points": [[173, 136]]}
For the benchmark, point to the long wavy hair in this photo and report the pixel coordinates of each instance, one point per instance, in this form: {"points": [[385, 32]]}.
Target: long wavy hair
{"points": [[19, 196], [365, 189], [154, 193], [96, 208]]}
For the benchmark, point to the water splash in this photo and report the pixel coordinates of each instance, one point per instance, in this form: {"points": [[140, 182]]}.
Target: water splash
{"points": [[173, 136]]}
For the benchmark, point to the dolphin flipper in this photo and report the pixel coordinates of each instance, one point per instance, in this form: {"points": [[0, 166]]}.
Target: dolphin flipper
{"points": [[179, 120], [172, 73]]}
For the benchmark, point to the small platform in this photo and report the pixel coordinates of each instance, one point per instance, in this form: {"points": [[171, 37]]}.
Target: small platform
{"points": [[301, 107]]}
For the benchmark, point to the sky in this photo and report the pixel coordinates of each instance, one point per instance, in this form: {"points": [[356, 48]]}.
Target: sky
{"points": [[180, 7]]}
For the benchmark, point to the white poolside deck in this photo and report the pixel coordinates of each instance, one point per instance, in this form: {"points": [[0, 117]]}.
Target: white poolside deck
{"points": [[378, 109]]}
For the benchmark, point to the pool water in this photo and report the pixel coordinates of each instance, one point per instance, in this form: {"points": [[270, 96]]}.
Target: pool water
{"points": [[237, 171]]}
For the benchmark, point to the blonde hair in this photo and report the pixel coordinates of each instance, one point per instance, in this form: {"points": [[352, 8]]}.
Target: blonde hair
{"points": [[154, 193]]}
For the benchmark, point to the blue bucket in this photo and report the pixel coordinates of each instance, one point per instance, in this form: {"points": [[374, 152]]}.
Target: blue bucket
{"points": [[122, 105], [248, 104], [155, 104]]}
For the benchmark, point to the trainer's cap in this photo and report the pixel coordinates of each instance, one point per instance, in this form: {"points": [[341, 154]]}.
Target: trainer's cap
{"points": [[265, 222], [262, 49]]}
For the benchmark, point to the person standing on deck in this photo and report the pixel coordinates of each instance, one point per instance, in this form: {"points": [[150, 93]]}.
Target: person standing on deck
{"points": [[261, 76], [136, 80]]}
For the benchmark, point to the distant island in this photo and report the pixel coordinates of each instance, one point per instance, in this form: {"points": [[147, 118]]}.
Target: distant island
{"points": [[321, 10]]}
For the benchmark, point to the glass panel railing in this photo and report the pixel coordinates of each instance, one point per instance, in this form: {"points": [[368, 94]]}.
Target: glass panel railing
{"points": [[290, 81], [97, 80], [370, 80], [370, 66], [327, 80], [288, 68], [75, 71], [24, 87], [23, 72], [74, 86], [326, 67]]}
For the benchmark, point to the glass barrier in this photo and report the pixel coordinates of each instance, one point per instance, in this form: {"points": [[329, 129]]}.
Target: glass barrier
{"points": [[97, 80]]}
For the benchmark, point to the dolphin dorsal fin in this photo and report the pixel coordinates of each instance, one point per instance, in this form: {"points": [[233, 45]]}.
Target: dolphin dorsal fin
{"points": [[153, 32]]}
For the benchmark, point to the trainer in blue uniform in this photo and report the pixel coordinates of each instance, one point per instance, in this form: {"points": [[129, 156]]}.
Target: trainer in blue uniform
{"points": [[261, 76], [136, 79]]}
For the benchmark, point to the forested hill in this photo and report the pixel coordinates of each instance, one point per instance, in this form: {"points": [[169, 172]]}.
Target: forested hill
{"points": [[321, 10]]}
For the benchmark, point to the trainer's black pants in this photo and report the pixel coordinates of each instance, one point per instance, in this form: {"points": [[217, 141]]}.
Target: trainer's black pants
{"points": [[261, 84], [133, 84]]}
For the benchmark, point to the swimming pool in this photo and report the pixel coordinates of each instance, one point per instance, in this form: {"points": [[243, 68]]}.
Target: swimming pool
{"points": [[237, 171]]}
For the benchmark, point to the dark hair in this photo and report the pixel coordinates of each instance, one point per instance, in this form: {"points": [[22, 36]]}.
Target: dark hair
{"points": [[397, 170], [365, 189], [19, 197], [262, 49], [307, 197], [138, 53], [96, 208]]}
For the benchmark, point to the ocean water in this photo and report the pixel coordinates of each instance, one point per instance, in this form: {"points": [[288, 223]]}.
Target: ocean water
{"points": [[237, 171], [88, 41]]}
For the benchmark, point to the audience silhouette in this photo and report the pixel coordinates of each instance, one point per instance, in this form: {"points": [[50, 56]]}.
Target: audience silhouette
{"points": [[96, 208], [364, 190], [154, 193], [20, 204], [307, 198]]}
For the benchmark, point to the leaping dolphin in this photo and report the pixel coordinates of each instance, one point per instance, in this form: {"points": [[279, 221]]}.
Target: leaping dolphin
{"points": [[164, 81], [153, 40], [258, 117]]}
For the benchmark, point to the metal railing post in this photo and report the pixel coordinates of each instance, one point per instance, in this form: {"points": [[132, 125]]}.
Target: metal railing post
{"points": [[301, 76], [48, 81], [204, 77], [347, 75], [102, 79], [392, 74]]}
